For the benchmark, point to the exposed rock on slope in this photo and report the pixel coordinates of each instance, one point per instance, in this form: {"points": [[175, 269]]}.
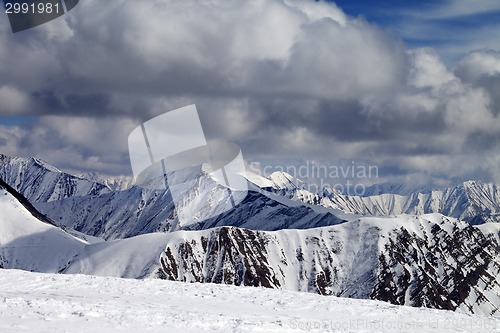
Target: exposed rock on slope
{"points": [[429, 261]]}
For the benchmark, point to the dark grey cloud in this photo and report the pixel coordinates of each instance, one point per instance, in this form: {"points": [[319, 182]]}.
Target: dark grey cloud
{"points": [[487, 142], [491, 84], [344, 120]]}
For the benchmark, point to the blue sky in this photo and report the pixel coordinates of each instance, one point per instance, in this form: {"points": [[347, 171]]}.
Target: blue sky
{"points": [[16, 120], [452, 28]]}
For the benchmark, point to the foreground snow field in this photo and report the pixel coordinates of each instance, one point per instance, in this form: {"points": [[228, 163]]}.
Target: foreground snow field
{"points": [[38, 302]]}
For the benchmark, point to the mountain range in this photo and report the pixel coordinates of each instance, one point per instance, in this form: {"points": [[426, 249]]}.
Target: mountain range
{"points": [[280, 236], [102, 211], [471, 201]]}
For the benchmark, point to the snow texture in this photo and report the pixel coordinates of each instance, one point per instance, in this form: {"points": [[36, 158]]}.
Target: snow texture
{"points": [[34, 302]]}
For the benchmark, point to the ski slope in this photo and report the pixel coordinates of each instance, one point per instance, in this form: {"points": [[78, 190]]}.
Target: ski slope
{"points": [[35, 302]]}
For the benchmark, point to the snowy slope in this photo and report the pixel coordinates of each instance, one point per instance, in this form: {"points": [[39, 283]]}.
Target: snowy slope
{"points": [[29, 244], [430, 261], [40, 182], [114, 215], [135, 258], [34, 302]]}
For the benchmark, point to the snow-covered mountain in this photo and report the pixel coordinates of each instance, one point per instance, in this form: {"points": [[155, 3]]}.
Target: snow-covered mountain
{"points": [[430, 260], [114, 183], [393, 188], [93, 209], [140, 210], [471, 201], [39, 181]]}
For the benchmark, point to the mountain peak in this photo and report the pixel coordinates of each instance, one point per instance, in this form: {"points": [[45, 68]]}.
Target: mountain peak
{"points": [[472, 183], [283, 180], [44, 164], [39, 181]]}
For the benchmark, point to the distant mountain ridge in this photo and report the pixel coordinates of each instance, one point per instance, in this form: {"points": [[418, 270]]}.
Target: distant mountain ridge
{"points": [[393, 188], [95, 209], [113, 183], [39, 181], [137, 211], [471, 201]]}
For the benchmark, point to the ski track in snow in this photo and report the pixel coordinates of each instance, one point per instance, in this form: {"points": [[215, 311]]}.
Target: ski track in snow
{"points": [[37, 302]]}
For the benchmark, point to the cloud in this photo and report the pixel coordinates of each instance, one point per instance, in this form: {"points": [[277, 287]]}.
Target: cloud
{"points": [[10, 138], [427, 69], [13, 101], [461, 8], [284, 79], [73, 144], [478, 64], [168, 48]]}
